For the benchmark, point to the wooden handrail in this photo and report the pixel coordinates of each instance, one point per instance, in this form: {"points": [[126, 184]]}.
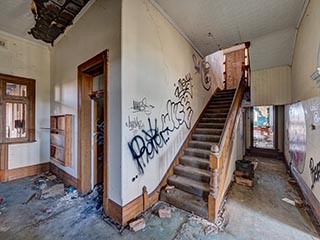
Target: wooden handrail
{"points": [[221, 153]]}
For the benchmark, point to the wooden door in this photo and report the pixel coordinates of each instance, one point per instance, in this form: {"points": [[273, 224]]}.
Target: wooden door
{"points": [[234, 61]]}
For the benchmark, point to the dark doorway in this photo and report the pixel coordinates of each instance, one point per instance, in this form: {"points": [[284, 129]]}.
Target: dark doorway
{"points": [[92, 124]]}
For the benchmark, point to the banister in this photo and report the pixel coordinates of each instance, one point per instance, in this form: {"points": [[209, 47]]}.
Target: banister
{"points": [[239, 89], [221, 150]]}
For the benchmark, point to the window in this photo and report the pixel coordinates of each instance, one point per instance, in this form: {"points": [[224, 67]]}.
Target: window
{"points": [[17, 108]]}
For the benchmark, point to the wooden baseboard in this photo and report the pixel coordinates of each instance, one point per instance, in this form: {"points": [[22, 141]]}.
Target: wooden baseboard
{"points": [[65, 177], [308, 195], [27, 171], [123, 215]]}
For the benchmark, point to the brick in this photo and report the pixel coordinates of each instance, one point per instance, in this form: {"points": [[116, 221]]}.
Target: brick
{"points": [[164, 213], [137, 225]]}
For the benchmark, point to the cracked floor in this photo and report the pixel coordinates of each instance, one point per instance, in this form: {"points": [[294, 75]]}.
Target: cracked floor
{"points": [[251, 213]]}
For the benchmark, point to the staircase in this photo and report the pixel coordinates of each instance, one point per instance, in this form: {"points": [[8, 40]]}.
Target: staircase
{"points": [[192, 176]]}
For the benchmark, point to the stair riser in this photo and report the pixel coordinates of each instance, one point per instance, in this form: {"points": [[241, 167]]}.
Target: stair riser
{"points": [[208, 131], [205, 138], [197, 154], [199, 145], [195, 163], [194, 176], [219, 103], [224, 98], [211, 125], [213, 110], [213, 120], [189, 189], [215, 115], [214, 106]]}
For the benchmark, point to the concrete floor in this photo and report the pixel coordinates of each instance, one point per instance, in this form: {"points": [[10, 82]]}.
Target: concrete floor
{"points": [[257, 213]]}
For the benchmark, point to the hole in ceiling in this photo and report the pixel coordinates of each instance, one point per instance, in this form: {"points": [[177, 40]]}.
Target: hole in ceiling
{"points": [[53, 17]]}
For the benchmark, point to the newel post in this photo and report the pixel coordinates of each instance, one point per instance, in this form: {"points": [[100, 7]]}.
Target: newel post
{"points": [[214, 183]]}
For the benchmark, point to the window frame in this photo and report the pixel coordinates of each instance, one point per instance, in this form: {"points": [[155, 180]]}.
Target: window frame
{"points": [[29, 100]]}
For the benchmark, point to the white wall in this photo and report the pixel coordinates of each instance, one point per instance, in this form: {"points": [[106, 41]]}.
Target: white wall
{"points": [[97, 30], [311, 110], [306, 54], [154, 57], [26, 59], [271, 86]]}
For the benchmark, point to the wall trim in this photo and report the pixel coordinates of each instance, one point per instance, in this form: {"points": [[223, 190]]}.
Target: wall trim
{"points": [[308, 195], [65, 177], [173, 23], [27, 171]]}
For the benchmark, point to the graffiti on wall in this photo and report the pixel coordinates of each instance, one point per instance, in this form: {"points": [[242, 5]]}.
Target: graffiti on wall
{"points": [[142, 106], [315, 172], [297, 134], [314, 108], [202, 68], [147, 144], [134, 124]]}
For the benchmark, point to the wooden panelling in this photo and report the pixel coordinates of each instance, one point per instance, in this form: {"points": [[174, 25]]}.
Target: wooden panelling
{"points": [[307, 194], [271, 86], [64, 176], [28, 171], [234, 62], [115, 212], [3, 162]]}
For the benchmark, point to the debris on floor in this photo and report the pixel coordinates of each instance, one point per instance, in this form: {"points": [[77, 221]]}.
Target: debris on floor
{"points": [[169, 188], [292, 181], [137, 225], [54, 191], [289, 201], [244, 172], [97, 195], [164, 213], [33, 196], [299, 203]]}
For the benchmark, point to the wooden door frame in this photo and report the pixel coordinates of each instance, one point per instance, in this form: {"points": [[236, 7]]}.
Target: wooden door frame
{"points": [[275, 135], [84, 124]]}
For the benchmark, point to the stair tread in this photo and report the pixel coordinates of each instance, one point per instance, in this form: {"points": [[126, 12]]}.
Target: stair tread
{"points": [[205, 135], [176, 179], [192, 158], [202, 142], [186, 201], [198, 150], [193, 170]]}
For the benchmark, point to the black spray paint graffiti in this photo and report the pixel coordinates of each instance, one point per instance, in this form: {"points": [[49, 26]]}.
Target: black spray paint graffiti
{"points": [[145, 146], [142, 106], [202, 67], [315, 172], [180, 112], [134, 125]]}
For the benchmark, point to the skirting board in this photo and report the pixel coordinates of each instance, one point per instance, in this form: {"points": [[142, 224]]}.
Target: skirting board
{"points": [[308, 195], [65, 177], [28, 171]]}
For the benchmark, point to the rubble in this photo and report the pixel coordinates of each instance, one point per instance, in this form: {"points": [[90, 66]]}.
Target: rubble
{"points": [[54, 191], [169, 188], [164, 213], [137, 225]]}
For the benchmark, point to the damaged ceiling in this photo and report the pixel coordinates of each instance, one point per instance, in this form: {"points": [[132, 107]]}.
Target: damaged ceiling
{"points": [[53, 17], [17, 18]]}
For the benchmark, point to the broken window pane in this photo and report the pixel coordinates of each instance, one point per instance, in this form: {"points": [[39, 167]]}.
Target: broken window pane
{"points": [[16, 120], [14, 89]]}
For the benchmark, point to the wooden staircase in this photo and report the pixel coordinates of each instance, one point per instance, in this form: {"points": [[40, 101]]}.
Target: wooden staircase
{"points": [[192, 175]]}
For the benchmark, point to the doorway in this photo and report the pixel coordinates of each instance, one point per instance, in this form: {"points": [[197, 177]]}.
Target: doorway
{"points": [[92, 125], [263, 127]]}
